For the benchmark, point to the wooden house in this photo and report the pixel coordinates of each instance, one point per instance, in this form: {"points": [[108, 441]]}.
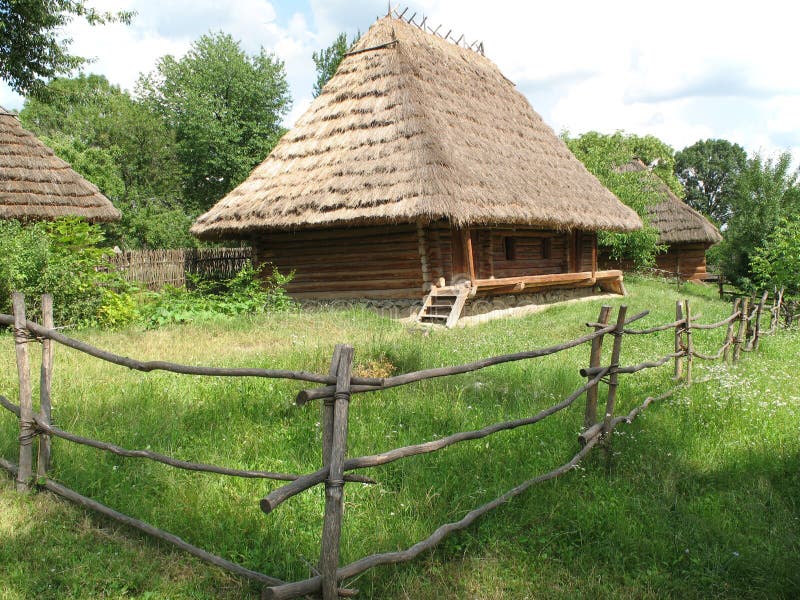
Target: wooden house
{"points": [[36, 185], [685, 232], [420, 171]]}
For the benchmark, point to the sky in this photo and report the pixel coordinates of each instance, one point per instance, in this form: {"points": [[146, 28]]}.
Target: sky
{"points": [[680, 70]]}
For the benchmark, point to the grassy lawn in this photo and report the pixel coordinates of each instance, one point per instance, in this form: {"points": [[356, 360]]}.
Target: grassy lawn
{"points": [[700, 497]]}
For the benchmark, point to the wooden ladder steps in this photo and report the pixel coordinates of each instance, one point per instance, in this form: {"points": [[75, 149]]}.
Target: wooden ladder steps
{"points": [[443, 306]]}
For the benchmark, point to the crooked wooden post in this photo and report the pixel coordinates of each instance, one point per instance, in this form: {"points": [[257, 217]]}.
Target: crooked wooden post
{"points": [[678, 339], [26, 430], [590, 417], [327, 411], [45, 385], [742, 330], [689, 343], [757, 327], [613, 375], [726, 353], [334, 484]]}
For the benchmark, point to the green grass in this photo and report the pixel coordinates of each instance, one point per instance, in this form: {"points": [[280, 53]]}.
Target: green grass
{"points": [[699, 497]]}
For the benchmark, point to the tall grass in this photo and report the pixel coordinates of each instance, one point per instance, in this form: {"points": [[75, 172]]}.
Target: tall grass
{"points": [[696, 499]]}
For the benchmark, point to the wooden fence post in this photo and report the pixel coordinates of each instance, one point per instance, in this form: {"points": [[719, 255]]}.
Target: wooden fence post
{"points": [[726, 354], [742, 330], [45, 385], [26, 431], [689, 343], [757, 328], [613, 375], [327, 411], [679, 328], [778, 307], [590, 417], [334, 484]]}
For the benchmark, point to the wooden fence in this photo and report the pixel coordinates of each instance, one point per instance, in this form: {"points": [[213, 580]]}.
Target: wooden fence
{"points": [[157, 268], [335, 390]]}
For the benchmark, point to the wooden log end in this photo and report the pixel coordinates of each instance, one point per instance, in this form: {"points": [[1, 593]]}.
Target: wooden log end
{"points": [[266, 505]]}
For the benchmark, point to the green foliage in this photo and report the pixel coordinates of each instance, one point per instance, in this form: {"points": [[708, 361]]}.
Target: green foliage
{"points": [[777, 262], [124, 149], [225, 109], [765, 193], [31, 47], [327, 60], [603, 155], [62, 258], [708, 170], [246, 293]]}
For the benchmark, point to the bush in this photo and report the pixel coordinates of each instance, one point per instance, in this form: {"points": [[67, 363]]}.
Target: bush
{"points": [[62, 258], [245, 293]]}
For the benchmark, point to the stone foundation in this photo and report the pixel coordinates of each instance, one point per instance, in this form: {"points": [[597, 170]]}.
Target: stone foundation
{"points": [[499, 305]]}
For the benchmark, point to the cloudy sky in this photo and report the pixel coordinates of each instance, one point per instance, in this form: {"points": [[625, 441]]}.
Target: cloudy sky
{"points": [[680, 70]]}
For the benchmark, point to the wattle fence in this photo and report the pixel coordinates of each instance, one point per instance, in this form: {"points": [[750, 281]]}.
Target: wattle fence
{"points": [[157, 268], [743, 330]]}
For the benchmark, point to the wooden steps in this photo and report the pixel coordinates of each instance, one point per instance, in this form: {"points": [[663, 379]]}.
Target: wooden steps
{"points": [[443, 306]]}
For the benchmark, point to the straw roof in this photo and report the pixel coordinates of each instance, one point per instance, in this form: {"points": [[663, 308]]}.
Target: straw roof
{"points": [[676, 221], [37, 185], [415, 128]]}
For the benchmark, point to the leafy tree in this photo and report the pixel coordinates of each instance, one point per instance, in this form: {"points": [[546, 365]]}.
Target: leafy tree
{"points": [[327, 60], [708, 170], [603, 155], [777, 261], [765, 193], [30, 51], [126, 150], [225, 109]]}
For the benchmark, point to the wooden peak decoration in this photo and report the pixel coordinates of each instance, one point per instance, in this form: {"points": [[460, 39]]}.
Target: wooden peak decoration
{"points": [[475, 46]]}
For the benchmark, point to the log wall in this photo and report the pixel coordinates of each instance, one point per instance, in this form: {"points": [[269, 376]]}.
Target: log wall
{"points": [[356, 262], [689, 260]]}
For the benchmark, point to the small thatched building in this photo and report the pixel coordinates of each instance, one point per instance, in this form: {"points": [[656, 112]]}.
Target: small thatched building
{"points": [[686, 232], [420, 166], [36, 185]]}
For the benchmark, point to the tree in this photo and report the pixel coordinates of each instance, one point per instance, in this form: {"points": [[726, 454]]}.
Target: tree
{"points": [[124, 149], [603, 155], [764, 194], [327, 60], [225, 109], [708, 170], [777, 262], [30, 51]]}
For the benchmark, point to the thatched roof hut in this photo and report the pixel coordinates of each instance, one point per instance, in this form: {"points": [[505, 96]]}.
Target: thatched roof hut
{"points": [[36, 185], [413, 127], [421, 169], [686, 232], [676, 221]]}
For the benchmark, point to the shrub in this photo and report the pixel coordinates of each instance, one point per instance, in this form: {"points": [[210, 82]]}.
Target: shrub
{"points": [[62, 258]]}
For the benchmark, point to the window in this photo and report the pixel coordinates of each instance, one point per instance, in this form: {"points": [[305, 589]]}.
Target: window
{"points": [[510, 247], [547, 247]]}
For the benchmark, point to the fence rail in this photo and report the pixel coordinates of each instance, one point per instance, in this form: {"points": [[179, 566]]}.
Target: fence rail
{"points": [[338, 387], [157, 268]]}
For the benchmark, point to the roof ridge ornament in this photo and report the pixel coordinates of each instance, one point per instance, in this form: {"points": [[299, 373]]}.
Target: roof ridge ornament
{"points": [[476, 46]]}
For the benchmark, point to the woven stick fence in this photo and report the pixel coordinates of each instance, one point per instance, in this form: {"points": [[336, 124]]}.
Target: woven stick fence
{"points": [[157, 268], [336, 391]]}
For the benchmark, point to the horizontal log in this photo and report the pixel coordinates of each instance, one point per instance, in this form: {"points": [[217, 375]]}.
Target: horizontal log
{"points": [[334, 254], [158, 365], [326, 392], [312, 585], [716, 356], [42, 426], [280, 495], [356, 263], [652, 364], [411, 293], [150, 530], [353, 233], [342, 278], [722, 323], [362, 286]]}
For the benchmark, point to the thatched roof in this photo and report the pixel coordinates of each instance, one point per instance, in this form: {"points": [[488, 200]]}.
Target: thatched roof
{"points": [[37, 185], [415, 128], [676, 221]]}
